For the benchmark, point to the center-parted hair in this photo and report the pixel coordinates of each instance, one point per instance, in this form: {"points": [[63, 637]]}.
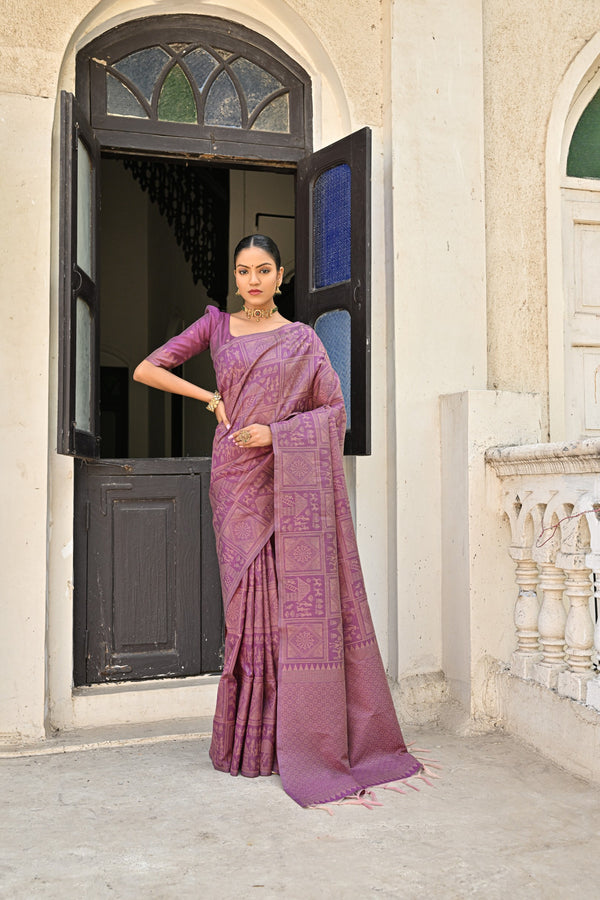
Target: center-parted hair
{"points": [[263, 243]]}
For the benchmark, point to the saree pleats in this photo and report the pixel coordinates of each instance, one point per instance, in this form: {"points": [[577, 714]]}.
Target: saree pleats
{"points": [[244, 729]]}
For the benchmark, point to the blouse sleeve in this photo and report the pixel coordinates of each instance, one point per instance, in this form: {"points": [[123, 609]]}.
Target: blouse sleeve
{"points": [[189, 343]]}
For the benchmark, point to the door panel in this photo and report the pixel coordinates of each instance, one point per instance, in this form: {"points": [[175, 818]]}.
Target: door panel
{"points": [[78, 407], [150, 589], [333, 260]]}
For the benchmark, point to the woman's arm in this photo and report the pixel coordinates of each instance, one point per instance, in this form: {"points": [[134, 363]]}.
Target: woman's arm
{"points": [[157, 377]]}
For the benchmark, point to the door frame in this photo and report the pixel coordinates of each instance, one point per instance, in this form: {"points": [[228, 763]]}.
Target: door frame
{"points": [[114, 704]]}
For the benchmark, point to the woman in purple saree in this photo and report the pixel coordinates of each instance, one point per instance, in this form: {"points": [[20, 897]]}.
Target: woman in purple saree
{"points": [[303, 690]]}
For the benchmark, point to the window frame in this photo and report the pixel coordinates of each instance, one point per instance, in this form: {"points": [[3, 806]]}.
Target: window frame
{"points": [[130, 133], [76, 284]]}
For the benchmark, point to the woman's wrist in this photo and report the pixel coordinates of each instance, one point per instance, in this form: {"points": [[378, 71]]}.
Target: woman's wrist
{"points": [[214, 401]]}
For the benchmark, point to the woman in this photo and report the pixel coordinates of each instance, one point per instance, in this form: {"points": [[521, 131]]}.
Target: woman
{"points": [[303, 690]]}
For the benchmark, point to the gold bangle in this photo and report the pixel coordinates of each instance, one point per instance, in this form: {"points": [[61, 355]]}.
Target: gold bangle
{"points": [[214, 401]]}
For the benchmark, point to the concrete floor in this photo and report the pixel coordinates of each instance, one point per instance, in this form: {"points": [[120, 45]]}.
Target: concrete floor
{"points": [[153, 820]]}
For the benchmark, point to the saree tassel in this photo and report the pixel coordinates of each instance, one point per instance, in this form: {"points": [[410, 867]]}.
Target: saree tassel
{"points": [[364, 798]]}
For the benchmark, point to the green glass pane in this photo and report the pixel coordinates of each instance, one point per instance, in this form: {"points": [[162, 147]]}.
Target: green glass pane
{"points": [[83, 366], [223, 104], [275, 117], [176, 102], [201, 64], [143, 68], [584, 152], [84, 208], [256, 83], [120, 101]]}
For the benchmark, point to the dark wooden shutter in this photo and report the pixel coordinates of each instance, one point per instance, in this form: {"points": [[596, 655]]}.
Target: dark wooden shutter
{"points": [[333, 263], [78, 408], [149, 568]]}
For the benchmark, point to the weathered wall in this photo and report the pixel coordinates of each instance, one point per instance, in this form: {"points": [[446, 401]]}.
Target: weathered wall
{"points": [[528, 47], [25, 123], [437, 296], [35, 35]]}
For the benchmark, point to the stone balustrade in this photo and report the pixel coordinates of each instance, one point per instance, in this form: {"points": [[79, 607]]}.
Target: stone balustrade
{"points": [[551, 496]]}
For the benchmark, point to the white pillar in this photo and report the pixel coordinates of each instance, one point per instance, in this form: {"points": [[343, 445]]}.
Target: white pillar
{"points": [[527, 609], [579, 629]]}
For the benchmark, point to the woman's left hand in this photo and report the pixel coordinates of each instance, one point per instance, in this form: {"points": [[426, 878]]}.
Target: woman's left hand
{"points": [[252, 436]]}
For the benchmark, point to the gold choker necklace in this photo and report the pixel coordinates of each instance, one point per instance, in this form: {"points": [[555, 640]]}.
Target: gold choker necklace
{"points": [[259, 313]]}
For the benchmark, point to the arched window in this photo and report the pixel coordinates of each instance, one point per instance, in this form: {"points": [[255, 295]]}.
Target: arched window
{"points": [[199, 78], [583, 160], [581, 266]]}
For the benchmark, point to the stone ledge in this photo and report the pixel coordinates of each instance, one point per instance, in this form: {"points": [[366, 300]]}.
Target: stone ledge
{"points": [[546, 459], [110, 736]]}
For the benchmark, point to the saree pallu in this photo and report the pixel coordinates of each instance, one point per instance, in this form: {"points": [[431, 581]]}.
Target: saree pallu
{"points": [[303, 690]]}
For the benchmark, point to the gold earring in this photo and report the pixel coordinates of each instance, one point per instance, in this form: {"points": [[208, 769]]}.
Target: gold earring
{"points": [[276, 291], [237, 293]]}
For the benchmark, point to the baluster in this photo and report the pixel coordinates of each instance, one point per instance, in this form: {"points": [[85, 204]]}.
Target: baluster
{"points": [[593, 685], [579, 628], [527, 608], [551, 625]]}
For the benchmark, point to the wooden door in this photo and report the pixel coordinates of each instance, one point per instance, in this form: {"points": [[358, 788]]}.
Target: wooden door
{"points": [[146, 565]]}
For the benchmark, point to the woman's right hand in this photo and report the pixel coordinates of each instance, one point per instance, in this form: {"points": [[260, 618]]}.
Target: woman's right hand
{"points": [[222, 415]]}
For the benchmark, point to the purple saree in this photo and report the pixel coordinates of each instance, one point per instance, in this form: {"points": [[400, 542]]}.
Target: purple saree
{"points": [[303, 690]]}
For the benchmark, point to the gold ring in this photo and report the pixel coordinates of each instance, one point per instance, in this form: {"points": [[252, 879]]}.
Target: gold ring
{"points": [[245, 436]]}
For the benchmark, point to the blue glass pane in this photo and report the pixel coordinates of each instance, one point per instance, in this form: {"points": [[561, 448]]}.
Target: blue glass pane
{"points": [[222, 104], [333, 328], [331, 226], [120, 101], [143, 68], [201, 64]]}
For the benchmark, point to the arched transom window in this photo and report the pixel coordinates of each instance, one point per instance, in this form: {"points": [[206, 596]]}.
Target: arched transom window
{"points": [[197, 78]]}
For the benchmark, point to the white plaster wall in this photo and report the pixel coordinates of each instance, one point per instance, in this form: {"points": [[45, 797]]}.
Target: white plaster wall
{"points": [[25, 124], [478, 588], [437, 283]]}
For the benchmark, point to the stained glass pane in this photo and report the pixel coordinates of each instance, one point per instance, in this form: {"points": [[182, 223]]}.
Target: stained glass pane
{"points": [[224, 53], [176, 102], [120, 101], [143, 68], [201, 64], [584, 151], [256, 83], [333, 328], [331, 226], [222, 104], [83, 367], [84, 209], [275, 117], [178, 47]]}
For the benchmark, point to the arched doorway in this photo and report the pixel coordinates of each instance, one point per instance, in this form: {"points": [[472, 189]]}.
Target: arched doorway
{"points": [[191, 130]]}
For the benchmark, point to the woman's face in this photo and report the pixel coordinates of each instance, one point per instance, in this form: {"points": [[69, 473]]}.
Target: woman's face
{"points": [[257, 277]]}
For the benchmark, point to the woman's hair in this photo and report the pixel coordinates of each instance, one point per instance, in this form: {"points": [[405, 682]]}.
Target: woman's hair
{"points": [[263, 242]]}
